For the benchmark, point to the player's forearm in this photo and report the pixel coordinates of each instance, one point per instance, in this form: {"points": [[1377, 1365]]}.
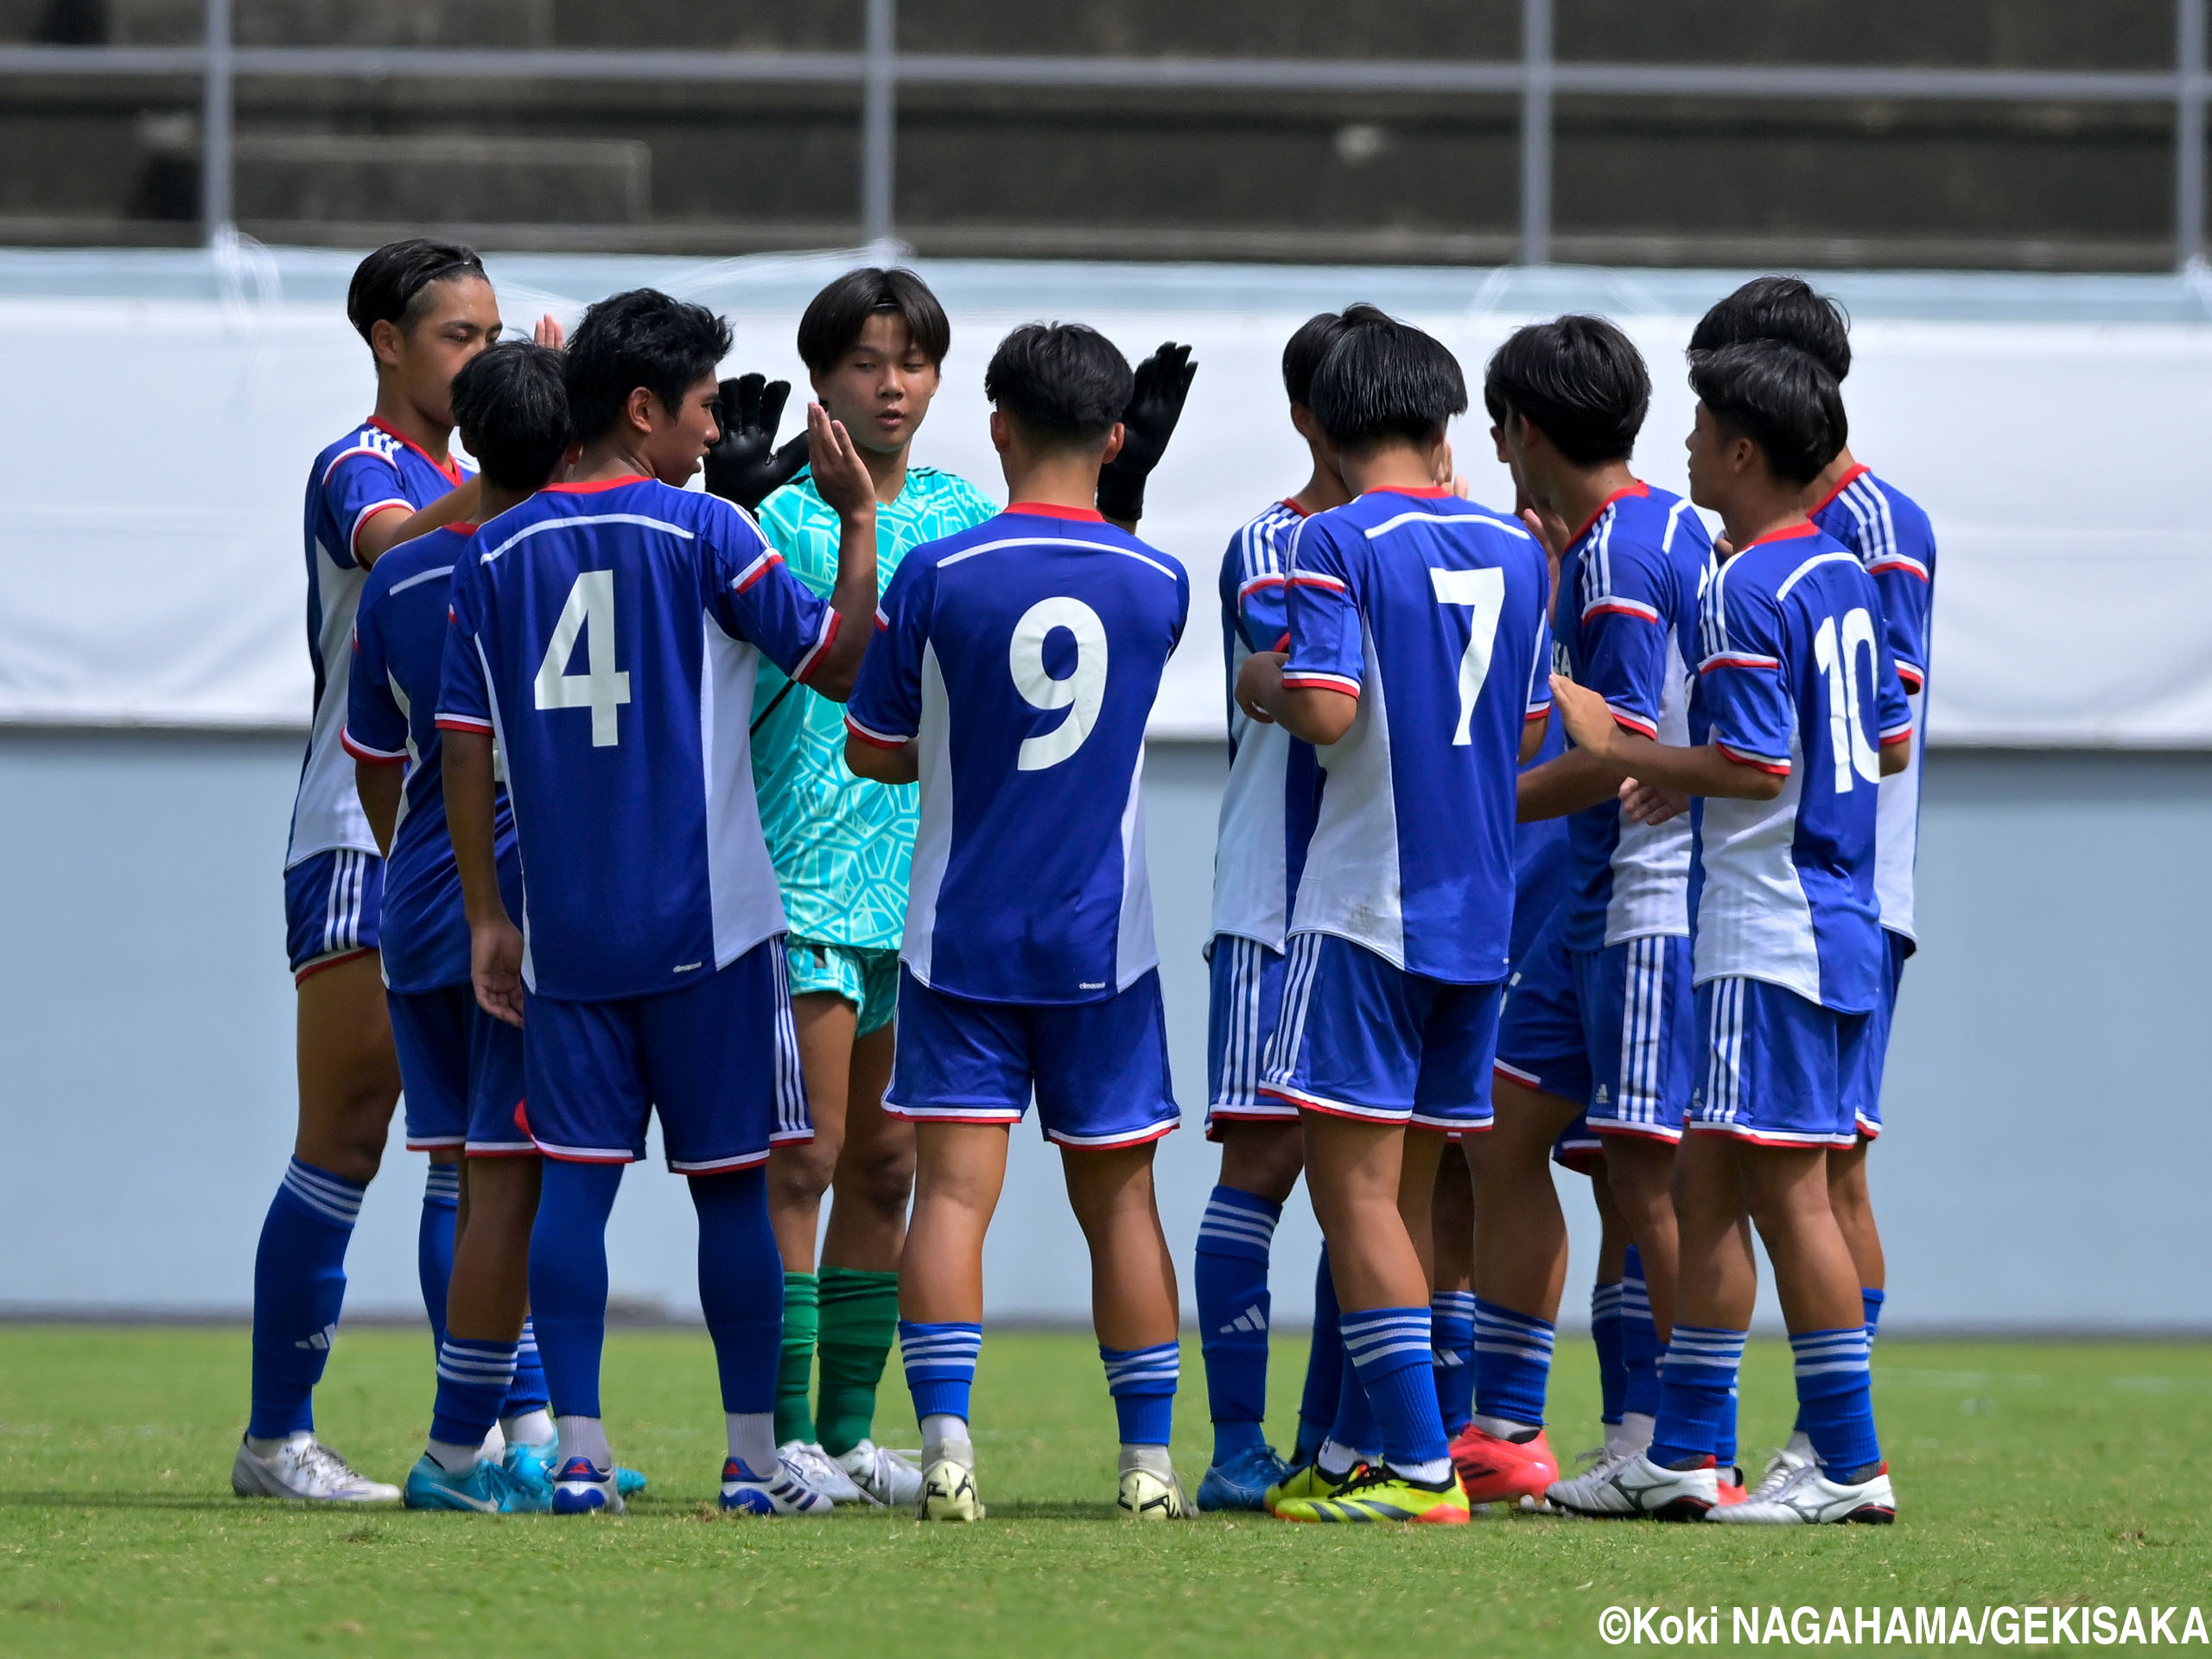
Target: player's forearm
{"points": [[854, 599], [1568, 784], [469, 819], [1703, 771], [1897, 755], [387, 531], [865, 759], [379, 783]]}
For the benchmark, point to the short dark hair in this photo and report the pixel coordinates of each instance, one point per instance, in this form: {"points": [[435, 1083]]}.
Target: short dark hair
{"points": [[510, 403], [391, 284], [1784, 309], [1303, 352], [1782, 399], [1578, 380], [834, 317], [642, 338], [1382, 379], [1062, 382]]}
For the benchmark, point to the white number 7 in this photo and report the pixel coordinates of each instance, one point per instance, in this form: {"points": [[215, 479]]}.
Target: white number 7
{"points": [[591, 604], [1484, 593]]}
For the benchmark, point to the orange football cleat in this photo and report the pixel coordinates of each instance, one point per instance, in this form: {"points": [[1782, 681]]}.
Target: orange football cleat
{"points": [[1504, 1472]]}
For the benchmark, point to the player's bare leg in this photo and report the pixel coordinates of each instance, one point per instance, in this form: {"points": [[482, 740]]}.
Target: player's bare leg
{"points": [[1854, 1213], [490, 1294], [1638, 1180], [873, 1184], [1353, 1170], [349, 1074]]}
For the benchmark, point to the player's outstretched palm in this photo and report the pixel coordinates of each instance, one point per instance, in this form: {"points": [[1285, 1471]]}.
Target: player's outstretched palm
{"points": [[495, 969], [743, 464], [1163, 382], [840, 474]]}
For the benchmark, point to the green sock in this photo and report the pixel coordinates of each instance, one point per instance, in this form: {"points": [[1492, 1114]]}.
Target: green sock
{"points": [[802, 1318], [860, 1321]]}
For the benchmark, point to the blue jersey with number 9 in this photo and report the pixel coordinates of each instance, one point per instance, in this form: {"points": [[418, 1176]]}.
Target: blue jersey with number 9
{"points": [[1025, 655]]}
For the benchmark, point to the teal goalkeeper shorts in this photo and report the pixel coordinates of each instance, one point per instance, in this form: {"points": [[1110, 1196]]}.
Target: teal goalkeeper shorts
{"points": [[867, 979]]}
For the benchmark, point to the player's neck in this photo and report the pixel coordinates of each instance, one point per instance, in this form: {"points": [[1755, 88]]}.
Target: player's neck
{"points": [[402, 417], [1323, 489], [887, 468], [494, 499], [1831, 477], [1055, 479], [1578, 494], [1759, 511], [605, 457], [1389, 467]]}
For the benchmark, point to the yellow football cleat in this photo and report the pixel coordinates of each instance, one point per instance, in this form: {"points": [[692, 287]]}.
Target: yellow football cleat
{"points": [[1307, 1481], [1379, 1495], [1145, 1496], [948, 1493]]}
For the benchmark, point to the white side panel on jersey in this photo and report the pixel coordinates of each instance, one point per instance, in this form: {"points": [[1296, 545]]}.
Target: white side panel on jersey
{"points": [[744, 901], [1251, 897], [933, 832], [1897, 831], [498, 748], [1351, 886], [1753, 919], [327, 812], [1136, 951], [1651, 862]]}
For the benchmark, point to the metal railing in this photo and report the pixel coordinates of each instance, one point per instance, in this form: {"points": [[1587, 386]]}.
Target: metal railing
{"points": [[1536, 78]]}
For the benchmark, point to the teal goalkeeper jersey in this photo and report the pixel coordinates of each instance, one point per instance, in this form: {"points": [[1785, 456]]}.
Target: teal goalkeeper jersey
{"points": [[842, 845]]}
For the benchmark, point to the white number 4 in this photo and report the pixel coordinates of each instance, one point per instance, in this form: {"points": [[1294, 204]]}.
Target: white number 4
{"points": [[591, 604], [1484, 593]]}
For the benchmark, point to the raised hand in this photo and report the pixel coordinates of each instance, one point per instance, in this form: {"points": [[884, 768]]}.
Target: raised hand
{"points": [[840, 473], [1163, 381], [742, 464], [549, 333]]}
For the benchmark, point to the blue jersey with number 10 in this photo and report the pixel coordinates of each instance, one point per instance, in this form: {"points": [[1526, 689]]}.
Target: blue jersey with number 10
{"points": [[1025, 655], [608, 634]]}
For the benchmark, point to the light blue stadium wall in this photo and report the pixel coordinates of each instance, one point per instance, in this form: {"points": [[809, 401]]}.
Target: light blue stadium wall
{"points": [[2050, 1104]]}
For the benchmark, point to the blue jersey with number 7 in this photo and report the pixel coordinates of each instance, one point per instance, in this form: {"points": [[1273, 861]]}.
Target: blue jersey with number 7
{"points": [[1025, 655], [608, 635]]}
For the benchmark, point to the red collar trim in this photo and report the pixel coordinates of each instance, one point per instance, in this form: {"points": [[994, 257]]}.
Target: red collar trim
{"points": [[1637, 488], [1048, 510], [1291, 503], [594, 487], [449, 468], [1790, 534], [1425, 493], [1856, 470]]}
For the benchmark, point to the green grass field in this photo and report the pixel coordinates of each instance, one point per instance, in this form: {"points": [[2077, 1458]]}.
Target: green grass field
{"points": [[2026, 1472]]}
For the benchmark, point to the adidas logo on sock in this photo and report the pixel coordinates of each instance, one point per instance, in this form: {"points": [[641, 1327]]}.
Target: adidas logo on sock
{"points": [[321, 1339], [1249, 1320], [1446, 1358]]}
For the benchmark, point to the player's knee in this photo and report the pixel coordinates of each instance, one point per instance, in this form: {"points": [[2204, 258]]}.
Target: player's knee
{"points": [[801, 1173], [880, 1178]]}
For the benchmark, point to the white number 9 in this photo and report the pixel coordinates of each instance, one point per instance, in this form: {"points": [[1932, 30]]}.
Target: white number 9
{"points": [[1080, 694]]}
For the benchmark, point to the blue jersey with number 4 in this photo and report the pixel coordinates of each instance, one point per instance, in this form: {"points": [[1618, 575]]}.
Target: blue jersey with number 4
{"points": [[1797, 679], [608, 634], [1025, 656], [1431, 611]]}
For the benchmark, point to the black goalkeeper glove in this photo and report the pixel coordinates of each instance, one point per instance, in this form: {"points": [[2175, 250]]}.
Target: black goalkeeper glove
{"points": [[1163, 381], [743, 464]]}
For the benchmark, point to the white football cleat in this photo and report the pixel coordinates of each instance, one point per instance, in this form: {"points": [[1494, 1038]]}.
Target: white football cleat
{"points": [[889, 1477], [1145, 1496], [1810, 1499], [1619, 1488], [948, 1493], [1789, 1463], [819, 1471], [303, 1468]]}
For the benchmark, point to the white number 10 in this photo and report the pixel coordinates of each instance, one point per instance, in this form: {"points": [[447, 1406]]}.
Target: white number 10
{"points": [[1483, 592], [1846, 726], [1080, 694], [591, 605]]}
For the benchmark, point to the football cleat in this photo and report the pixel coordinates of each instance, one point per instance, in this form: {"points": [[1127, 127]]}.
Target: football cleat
{"points": [[303, 1468], [818, 1470], [1727, 1490], [948, 1493], [1144, 1496], [1307, 1480], [1788, 1462], [1812, 1499], [781, 1491], [1494, 1471], [1377, 1494], [487, 1488], [580, 1487], [892, 1479], [1622, 1486], [1243, 1482], [534, 1462]]}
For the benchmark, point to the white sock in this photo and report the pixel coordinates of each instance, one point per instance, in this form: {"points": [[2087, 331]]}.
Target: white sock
{"points": [[585, 1437], [944, 1435], [1800, 1445], [752, 1440], [1632, 1434], [528, 1427], [1504, 1428], [454, 1459], [1153, 1459], [1335, 1459], [263, 1447], [1427, 1473]]}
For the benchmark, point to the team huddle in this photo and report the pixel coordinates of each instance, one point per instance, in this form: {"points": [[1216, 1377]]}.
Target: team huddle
{"points": [[805, 813]]}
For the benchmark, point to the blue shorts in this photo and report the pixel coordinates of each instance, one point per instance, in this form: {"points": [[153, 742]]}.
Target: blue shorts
{"points": [[1580, 1149], [1781, 1071], [333, 902], [462, 1073], [1098, 1069], [1609, 1030], [1885, 1014], [1241, 1012], [717, 1060], [1361, 1039]]}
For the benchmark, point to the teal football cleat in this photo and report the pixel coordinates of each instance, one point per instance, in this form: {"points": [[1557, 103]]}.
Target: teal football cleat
{"points": [[484, 1488], [1242, 1482], [534, 1462]]}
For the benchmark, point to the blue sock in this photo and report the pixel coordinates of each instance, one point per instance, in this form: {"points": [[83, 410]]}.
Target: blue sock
{"points": [[434, 1245], [1723, 1434], [940, 1361], [1451, 1327], [1605, 1337], [473, 1379], [568, 1279], [1325, 1368], [1639, 1341], [1513, 1363], [1695, 1384], [1231, 1278], [299, 1286], [1142, 1383], [1870, 1300], [1393, 1350], [1835, 1397], [740, 1286], [527, 1392], [1354, 1427]]}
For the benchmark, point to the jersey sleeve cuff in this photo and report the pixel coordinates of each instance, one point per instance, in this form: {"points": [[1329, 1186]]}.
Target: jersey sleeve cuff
{"points": [[1778, 765], [1737, 659], [1899, 564], [1314, 579], [1633, 722], [1897, 734], [361, 751], [872, 738], [1315, 679], [1915, 677], [1614, 605], [353, 536], [462, 723], [831, 621]]}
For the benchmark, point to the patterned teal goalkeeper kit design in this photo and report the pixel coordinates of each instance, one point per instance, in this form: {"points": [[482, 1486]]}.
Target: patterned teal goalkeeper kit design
{"points": [[842, 845]]}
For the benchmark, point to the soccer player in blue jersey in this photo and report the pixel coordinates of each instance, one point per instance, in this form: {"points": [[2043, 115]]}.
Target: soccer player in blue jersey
{"points": [[424, 310], [1597, 1027], [1894, 539], [607, 632], [1418, 651], [1016, 667], [1797, 716]]}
